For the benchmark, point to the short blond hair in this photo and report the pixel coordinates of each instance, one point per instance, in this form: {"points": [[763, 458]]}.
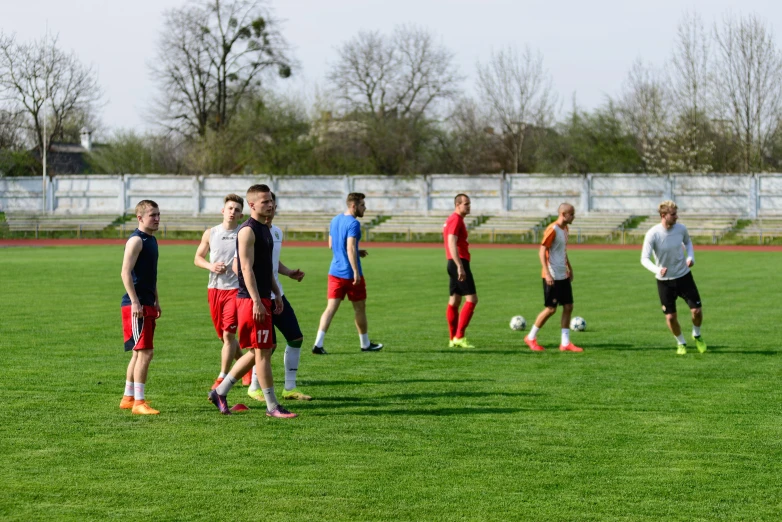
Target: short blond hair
{"points": [[144, 205], [666, 207], [235, 198]]}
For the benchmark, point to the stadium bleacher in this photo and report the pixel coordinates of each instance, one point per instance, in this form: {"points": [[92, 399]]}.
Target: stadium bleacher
{"points": [[764, 229], [511, 226], [77, 223], [413, 225], [700, 226]]}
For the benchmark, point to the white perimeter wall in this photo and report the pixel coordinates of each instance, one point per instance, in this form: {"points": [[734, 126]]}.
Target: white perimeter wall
{"points": [[749, 195]]}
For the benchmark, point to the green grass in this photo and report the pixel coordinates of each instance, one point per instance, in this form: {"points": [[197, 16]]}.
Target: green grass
{"points": [[625, 431]]}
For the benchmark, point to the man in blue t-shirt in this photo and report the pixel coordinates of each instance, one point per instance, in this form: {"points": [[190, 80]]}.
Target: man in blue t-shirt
{"points": [[345, 275]]}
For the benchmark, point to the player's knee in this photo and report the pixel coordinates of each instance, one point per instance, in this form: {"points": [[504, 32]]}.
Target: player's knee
{"points": [[472, 299], [670, 317], [567, 308], [550, 310], [697, 312], [296, 343]]}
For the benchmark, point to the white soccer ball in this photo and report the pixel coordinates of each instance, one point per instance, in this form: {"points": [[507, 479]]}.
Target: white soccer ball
{"points": [[578, 324], [518, 323]]}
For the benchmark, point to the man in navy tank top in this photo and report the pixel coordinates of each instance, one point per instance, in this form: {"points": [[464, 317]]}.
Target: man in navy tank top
{"points": [[254, 245], [140, 305]]}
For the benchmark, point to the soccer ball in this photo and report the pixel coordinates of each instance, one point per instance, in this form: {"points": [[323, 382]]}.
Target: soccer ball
{"points": [[517, 323], [578, 324]]}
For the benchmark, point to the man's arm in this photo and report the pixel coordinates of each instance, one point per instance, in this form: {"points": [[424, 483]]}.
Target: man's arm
{"points": [[544, 263], [246, 241], [461, 275], [157, 304], [200, 256], [688, 247], [132, 250], [646, 257], [353, 258], [329, 241], [296, 274], [569, 267]]}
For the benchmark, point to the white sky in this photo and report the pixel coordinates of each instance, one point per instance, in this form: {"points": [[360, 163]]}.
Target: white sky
{"points": [[587, 46]]}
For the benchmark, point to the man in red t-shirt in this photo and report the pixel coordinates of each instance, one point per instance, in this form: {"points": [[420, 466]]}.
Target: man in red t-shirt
{"points": [[462, 284]]}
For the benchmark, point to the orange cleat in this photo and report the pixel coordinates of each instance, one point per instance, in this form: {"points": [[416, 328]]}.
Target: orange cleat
{"points": [[217, 383], [533, 344], [126, 403], [142, 408], [570, 347]]}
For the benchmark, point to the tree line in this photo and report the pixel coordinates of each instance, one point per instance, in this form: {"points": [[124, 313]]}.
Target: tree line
{"points": [[395, 104]]}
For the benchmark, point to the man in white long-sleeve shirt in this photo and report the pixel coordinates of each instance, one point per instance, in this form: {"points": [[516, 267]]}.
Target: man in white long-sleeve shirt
{"points": [[668, 242]]}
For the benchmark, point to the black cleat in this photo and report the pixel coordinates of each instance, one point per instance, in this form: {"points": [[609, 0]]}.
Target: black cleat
{"points": [[373, 347], [319, 350]]}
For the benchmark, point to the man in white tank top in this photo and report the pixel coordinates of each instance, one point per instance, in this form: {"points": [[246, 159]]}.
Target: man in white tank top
{"points": [[668, 241], [557, 275], [286, 322], [220, 243]]}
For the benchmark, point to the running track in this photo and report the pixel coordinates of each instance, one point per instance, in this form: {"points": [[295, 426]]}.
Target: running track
{"points": [[318, 244]]}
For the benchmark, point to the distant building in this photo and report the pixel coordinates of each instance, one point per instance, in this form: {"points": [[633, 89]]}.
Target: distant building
{"points": [[67, 158]]}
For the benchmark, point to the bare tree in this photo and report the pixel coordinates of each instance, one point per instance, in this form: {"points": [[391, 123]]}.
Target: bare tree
{"points": [[393, 84], [690, 81], [211, 53], [645, 109], [749, 83], [40, 72], [519, 93]]}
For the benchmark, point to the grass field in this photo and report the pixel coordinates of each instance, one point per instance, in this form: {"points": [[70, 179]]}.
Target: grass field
{"points": [[625, 431]]}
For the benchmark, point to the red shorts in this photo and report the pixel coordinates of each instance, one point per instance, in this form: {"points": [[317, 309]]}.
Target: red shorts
{"points": [[339, 288], [222, 305], [139, 332], [254, 335]]}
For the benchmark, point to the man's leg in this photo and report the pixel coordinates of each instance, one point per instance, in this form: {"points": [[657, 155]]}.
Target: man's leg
{"points": [[672, 321], [532, 337], [565, 344], [452, 316], [263, 367], [140, 370], [465, 316], [332, 305], [128, 398], [360, 309], [697, 320]]}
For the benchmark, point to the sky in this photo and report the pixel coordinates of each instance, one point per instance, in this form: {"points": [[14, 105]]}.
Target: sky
{"points": [[587, 47]]}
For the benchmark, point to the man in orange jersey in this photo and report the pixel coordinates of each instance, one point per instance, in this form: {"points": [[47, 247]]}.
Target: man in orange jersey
{"points": [[557, 276], [462, 284]]}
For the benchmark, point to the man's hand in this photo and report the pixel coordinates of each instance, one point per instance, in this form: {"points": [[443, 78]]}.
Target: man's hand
{"points": [[219, 268], [296, 274], [278, 305], [158, 311], [549, 279], [570, 275], [690, 262], [259, 312], [461, 275], [663, 271], [136, 310], [363, 253], [356, 279]]}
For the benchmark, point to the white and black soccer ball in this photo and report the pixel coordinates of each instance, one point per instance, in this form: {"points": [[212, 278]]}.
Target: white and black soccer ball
{"points": [[517, 323], [578, 324]]}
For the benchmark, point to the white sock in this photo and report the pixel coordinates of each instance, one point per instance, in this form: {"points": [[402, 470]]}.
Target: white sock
{"points": [[533, 333], [291, 359], [565, 336], [696, 331], [271, 398], [226, 385], [129, 388], [680, 339], [222, 375], [364, 338], [255, 385], [138, 391], [320, 338]]}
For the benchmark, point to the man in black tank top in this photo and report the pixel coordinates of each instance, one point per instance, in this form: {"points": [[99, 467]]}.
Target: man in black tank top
{"points": [[254, 245], [140, 305]]}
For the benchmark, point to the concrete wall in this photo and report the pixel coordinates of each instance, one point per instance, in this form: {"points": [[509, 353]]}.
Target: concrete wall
{"points": [[749, 195]]}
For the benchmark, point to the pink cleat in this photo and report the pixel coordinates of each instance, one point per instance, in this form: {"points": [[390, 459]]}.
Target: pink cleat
{"points": [[570, 347], [280, 413], [533, 344]]}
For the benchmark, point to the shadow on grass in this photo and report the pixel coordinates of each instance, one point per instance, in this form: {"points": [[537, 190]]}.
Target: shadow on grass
{"points": [[308, 382], [434, 412]]}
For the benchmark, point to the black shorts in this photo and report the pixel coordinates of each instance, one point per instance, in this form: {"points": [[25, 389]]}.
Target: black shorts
{"points": [[683, 287], [286, 323], [466, 287], [560, 293]]}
